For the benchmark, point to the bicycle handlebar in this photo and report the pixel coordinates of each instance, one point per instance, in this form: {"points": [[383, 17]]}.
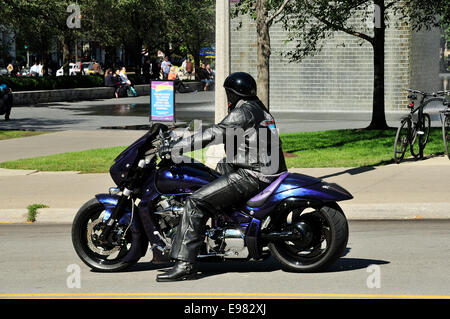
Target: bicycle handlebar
{"points": [[429, 94]]}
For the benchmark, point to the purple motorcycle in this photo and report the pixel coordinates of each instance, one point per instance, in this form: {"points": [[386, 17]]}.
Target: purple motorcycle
{"points": [[295, 219]]}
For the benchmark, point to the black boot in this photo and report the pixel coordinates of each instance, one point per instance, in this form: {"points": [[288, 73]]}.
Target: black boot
{"points": [[182, 270]]}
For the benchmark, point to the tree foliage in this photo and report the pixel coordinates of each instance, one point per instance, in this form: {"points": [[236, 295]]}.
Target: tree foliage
{"points": [[191, 24], [133, 24], [311, 22], [265, 13]]}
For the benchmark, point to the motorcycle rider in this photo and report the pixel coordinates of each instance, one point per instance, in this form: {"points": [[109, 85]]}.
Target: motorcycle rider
{"points": [[249, 168]]}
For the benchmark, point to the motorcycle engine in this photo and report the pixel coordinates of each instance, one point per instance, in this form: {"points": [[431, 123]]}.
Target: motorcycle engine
{"points": [[170, 211], [223, 242], [226, 242]]}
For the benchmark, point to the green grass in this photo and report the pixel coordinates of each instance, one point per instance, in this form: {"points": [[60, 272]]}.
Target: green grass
{"points": [[6, 135], [349, 148], [32, 211], [90, 161], [338, 148]]}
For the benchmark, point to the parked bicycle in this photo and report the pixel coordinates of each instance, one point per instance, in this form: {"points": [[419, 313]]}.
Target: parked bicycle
{"points": [[414, 131]]}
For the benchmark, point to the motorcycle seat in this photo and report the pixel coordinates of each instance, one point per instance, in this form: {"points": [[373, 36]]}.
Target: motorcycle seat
{"points": [[259, 199]]}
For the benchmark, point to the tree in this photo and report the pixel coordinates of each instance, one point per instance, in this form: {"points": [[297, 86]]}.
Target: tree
{"points": [[30, 25], [312, 21], [141, 26], [265, 13], [191, 24], [38, 23]]}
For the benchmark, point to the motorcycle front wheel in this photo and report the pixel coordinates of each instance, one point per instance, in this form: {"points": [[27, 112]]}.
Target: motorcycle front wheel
{"points": [[104, 258], [326, 241]]}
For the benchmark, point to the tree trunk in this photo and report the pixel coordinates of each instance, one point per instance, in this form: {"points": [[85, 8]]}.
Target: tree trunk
{"points": [[110, 57], [378, 108], [196, 56], [43, 53], [66, 54], [263, 52], [138, 56]]}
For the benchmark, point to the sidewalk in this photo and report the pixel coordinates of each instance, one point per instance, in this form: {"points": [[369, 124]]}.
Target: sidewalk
{"points": [[410, 190], [64, 141]]}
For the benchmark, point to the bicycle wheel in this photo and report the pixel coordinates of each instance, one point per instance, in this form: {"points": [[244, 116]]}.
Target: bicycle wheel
{"points": [[426, 128], [402, 140], [420, 136], [446, 134]]}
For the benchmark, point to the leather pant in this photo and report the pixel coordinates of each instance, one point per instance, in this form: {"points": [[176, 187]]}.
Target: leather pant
{"points": [[232, 188]]}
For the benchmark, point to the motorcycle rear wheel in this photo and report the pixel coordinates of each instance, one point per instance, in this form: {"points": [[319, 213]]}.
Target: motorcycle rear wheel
{"points": [[330, 240], [94, 256]]}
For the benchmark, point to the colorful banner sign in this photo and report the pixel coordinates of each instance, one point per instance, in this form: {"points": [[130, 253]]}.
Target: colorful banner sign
{"points": [[162, 101]]}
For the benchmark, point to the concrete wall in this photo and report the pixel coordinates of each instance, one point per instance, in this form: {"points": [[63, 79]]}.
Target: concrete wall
{"points": [[340, 77], [46, 96], [83, 94], [424, 58]]}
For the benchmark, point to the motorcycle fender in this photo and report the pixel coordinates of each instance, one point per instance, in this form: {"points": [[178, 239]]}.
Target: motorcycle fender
{"points": [[316, 194], [143, 212], [323, 192], [109, 202], [140, 241]]}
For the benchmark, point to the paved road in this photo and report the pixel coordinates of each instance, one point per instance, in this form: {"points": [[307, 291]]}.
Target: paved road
{"points": [[93, 115], [412, 257]]}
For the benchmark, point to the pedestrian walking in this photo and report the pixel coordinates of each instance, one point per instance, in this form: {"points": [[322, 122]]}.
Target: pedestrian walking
{"points": [[165, 67], [6, 101]]}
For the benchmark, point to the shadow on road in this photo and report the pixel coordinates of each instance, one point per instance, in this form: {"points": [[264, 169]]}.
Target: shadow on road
{"points": [[352, 171], [345, 264], [207, 269], [40, 124]]}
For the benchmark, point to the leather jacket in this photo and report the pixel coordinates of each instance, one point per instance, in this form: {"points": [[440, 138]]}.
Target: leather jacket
{"points": [[250, 137]]}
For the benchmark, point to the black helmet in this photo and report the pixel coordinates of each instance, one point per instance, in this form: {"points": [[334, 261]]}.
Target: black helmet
{"points": [[239, 85]]}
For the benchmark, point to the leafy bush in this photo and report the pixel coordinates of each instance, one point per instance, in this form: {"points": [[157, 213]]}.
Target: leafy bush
{"points": [[50, 82]]}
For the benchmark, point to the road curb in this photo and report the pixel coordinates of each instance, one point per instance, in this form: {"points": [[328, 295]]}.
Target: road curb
{"points": [[399, 211]]}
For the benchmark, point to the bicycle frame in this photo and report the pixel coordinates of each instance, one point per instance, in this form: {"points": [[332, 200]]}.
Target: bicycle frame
{"points": [[418, 125]]}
